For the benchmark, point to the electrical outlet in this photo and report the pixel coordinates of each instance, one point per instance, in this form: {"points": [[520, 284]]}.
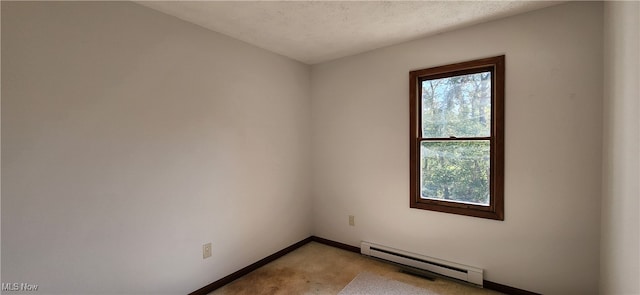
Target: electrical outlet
{"points": [[352, 220], [206, 250]]}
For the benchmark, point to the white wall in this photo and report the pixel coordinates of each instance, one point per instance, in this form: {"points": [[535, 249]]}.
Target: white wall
{"points": [[130, 138], [549, 241], [620, 245]]}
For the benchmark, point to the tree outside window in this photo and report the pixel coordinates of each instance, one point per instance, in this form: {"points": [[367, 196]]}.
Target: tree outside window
{"points": [[457, 127]]}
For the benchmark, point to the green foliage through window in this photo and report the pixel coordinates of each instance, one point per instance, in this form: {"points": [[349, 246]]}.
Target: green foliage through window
{"points": [[457, 138], [456, 107], [456, 171]]}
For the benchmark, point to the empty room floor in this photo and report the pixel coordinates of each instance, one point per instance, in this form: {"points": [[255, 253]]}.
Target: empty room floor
{"points": [[320, 269]]}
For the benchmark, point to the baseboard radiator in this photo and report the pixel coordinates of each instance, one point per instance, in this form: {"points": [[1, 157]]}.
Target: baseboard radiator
{"points": [[458, 271]]}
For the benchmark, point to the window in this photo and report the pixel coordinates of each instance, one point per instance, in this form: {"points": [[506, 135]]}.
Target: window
{"points": [[457, 138]]}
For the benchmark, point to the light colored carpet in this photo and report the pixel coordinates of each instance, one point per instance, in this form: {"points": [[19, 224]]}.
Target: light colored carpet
{"points": [[317, 269], [371, 284]]}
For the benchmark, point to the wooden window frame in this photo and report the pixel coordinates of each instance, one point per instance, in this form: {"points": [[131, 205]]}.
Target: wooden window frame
{"points": [[496, 65]]}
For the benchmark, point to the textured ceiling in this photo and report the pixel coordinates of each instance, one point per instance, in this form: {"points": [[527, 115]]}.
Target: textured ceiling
{"points": [[318, 31]]}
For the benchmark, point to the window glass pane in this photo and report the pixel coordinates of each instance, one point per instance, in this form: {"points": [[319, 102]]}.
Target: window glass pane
{"points": [[457, 106], [456, 171]]}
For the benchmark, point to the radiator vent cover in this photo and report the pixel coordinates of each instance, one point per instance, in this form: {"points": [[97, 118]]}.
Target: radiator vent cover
{"points": [[454, 270]]}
